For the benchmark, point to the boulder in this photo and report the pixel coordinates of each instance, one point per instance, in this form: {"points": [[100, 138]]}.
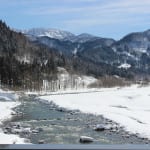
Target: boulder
{"points": [[16, 131], [99, 127], [114, 130], [15, 124], [8, 129], [26, 130], [18, 126], [126, 136], [5, 131], [41, 141], [13, 113], [86, 139], [61, 109], [35, 131]]}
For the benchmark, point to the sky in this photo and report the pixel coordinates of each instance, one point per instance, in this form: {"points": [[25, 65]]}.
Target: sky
{"points": [[104, 18]]}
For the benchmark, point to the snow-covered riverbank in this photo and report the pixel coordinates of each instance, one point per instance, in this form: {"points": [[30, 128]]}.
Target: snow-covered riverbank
{"points": [[129, 106], [7, 102]]}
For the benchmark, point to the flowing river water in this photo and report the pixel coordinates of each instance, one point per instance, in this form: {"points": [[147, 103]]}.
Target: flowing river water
{"points": [[53, 125]]}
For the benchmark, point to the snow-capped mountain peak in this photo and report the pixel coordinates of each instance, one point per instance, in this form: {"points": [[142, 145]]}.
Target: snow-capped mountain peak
{"points": [[52, 33], [58, 34]]}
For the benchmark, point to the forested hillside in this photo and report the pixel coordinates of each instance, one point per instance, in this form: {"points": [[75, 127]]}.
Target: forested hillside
{"points": [[128, 57], [26, 63]]}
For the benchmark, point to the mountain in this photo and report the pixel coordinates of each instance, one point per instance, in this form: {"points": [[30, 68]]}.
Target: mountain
{"points": [[57, 34], [72, 46], [24, 64], [66, 42], [133, 50], [66, 47], [28, 64], [52, 33], [84, 37], [26, 60], [134, 42]]}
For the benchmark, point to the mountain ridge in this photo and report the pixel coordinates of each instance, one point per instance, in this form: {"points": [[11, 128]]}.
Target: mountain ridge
{"points": [[132, 50], [26, 58], [58, 34]]}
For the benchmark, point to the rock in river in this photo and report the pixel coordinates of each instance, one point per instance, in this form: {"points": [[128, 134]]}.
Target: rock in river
{"points": [[99, 127], [86, 139], [41, 142], [35, 131]]}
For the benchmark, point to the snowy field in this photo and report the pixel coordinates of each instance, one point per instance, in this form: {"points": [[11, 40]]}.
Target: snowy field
{"points": [[128, 106], [7, 102]]}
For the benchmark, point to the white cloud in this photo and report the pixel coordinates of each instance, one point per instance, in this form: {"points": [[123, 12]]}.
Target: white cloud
{"points": [[53, 10], [121, 7], [124, 5], [110, 17], [97, 12], [81, 23]]}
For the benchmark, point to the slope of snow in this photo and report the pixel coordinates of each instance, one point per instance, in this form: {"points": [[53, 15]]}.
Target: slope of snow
{"points": [[6, 110], [67, 81], [5, 113], [125, 66], [7, 95], [26, 59], [80, 79], [142, 50], [88, 80], [75, 51], [130, 106], [10, 139]]}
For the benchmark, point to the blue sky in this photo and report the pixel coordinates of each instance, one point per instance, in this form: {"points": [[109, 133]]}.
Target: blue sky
{"points": [[105, 18]]}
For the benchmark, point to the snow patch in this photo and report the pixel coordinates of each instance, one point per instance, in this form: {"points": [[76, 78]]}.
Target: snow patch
{"points": [[25, 59], [125, 66], [75, 51], [141, 50], [5, 113], [10, 139], [8, 95], [52, 33]]}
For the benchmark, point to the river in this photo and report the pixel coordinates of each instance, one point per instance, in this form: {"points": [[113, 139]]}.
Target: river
{"points": [[56, 125]]}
